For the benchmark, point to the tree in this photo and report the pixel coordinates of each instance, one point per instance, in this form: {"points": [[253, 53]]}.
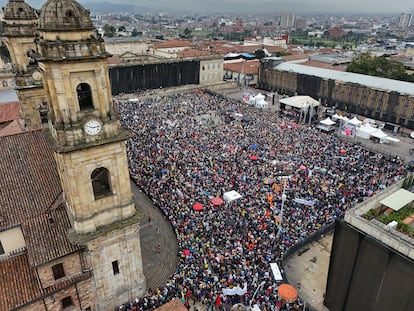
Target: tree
{"points": [[136, 33], [109, 30], [187, 32], [378, 66], [259, 54], [121, 28]]}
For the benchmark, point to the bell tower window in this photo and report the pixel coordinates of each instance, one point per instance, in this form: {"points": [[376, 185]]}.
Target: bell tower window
{"points": [[84, 96], [101, 183]]}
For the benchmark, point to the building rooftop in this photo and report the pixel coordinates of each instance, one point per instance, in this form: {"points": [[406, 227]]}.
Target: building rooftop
{"points": [[369, 81], [30, 183], [18, 282], [247, 67], [364, 217]]}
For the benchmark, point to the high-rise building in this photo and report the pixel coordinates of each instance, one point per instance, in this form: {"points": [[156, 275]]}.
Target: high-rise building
{"points": [[405, 20], [287, 20]]}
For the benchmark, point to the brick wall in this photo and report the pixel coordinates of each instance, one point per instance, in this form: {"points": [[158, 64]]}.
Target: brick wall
{"points": [[71, 265]]}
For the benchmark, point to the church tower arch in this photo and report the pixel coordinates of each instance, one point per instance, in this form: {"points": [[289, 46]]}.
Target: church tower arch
{"points": [[101, 183], [85, 99]]}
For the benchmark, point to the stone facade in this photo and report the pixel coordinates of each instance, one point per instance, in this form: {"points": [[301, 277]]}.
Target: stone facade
{"points": [[75, 169], [68, 58], [352, 97], [211, 70], [20, 25], [120, 247]]}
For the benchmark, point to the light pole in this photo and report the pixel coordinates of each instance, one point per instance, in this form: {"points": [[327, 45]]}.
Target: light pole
{"points": [[279, 229], [255, 293]]}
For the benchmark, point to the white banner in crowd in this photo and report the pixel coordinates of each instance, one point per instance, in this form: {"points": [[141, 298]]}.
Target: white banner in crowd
{"points": [[235, 290], [276, 271]]}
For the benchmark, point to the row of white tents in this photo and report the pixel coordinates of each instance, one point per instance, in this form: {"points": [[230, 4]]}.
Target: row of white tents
{"points": [[355, 127]]}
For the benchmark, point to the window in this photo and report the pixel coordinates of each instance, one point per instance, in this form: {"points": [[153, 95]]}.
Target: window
{"points": [[115, 267], [84, 96], [5, 84], [67, 302], [101, 183], [1, 249], [58, 271]]}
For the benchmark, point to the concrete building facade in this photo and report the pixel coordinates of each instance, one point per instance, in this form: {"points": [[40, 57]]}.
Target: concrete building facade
{"points": [[377, 98]]}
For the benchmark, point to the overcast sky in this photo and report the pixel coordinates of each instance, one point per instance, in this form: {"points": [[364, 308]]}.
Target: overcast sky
{"points": [[264, 6]]}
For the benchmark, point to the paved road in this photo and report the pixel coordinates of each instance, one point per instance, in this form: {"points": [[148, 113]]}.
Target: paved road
{"points": [[159, 248]]}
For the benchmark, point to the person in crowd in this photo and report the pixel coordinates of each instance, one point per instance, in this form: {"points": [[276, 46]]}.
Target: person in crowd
{"points": [[191, 148]]}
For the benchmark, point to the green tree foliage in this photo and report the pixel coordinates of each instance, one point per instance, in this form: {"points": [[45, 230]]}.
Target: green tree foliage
{"points": [[136, 33], [187, 33], [379, 67], [109, 30], [282, 53], [259, 54]]}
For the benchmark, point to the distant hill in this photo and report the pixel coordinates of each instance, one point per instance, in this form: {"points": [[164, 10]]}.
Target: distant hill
{"points": [[101, 6]]}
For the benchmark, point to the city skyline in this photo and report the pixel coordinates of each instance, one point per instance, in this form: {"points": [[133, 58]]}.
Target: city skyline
{"points": [[264, 6]]}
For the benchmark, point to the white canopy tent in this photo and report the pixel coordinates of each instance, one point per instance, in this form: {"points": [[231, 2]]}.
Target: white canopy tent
{"points": [[231, 196], [365, 131], [300, 101], [327, 125], [337, 117], [398, 199], [327, 122], [258, 101], [355, 121], [380, 135]]}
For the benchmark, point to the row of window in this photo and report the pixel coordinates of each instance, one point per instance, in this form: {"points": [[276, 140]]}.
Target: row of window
{"points": [[211, 76], [59, 271], [213, 66]]}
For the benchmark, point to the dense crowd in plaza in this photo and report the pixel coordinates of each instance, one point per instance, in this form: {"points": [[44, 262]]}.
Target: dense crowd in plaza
{"points": [[190, 148]]}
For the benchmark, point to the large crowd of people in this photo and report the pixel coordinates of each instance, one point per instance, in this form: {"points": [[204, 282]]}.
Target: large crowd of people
{"points": [[190, 148]]}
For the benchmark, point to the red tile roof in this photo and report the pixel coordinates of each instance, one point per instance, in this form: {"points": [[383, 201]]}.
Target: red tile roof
{"points": [[294, 57], [18, 283], [193, 53], [11, 128], [45, 235], [248, 67], [172, 44], [9, 112], [29, 182], [174, 305]]}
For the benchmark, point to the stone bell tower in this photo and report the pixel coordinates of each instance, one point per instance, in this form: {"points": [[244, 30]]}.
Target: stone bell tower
{"points": [[90, 150], [20, 23]]}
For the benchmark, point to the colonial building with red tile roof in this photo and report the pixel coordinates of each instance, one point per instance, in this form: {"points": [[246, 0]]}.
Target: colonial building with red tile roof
{"points": [[38, 263], [244, 72]]}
